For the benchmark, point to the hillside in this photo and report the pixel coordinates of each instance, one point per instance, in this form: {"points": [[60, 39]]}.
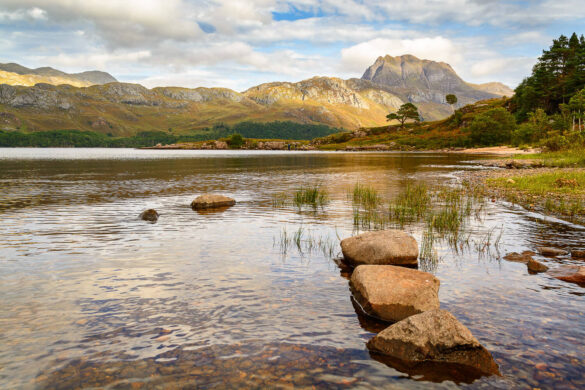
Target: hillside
{"points": [[451, 132], [15, 74], [35, 100]]}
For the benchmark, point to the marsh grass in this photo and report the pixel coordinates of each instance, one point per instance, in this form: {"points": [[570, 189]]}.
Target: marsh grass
{"points": [[306, 241], [365, 196], [313, 196], [562, 159]]}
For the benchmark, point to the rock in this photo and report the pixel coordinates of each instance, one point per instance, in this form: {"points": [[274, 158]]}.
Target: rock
{"points": [[392, 247], [393, 293], [569, 273], [536, 266], [433, 336], [547, 251], [209, 201], [149, 215], [511, 181], [578, 254], [523, 257]]}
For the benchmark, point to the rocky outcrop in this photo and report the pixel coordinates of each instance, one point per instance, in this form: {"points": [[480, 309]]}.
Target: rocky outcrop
{"points": [[569, 273], [422, 81], [210, 201], [392, 247], [393, 293], [536, 266], [434, 336], [150, 215], [551, 252]]}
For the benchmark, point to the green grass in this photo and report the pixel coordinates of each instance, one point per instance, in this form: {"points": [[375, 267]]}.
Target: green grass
{"points": [[312, 196], [365, 196], [561, 159], [544, 183], [411, 204]]}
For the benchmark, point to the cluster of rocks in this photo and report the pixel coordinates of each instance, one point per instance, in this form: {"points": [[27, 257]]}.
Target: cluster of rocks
{"points": [[202, 202], [567, 273], [387, 286]]}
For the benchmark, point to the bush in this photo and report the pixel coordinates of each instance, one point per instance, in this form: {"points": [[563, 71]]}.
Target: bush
{"points": [[235, 141], [492, 127], [555, 142]]}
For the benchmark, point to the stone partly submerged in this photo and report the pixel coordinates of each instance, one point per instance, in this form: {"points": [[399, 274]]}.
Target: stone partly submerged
{"points": [[211, 201], [391, 247], [433, 336], [578, 254], [551, 252], [569, 273], [150, 215], [392, 293], [523, 257], [536, 266]]}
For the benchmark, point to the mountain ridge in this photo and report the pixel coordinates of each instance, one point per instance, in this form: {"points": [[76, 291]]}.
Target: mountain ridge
{"points": [[124, 108], [52, 75]]}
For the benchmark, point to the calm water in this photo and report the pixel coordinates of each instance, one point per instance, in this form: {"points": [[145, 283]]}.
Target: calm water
{"points": [[91, 296]]}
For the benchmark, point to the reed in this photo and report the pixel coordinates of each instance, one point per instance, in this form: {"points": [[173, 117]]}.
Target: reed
{"points": [[365, 196], [313, 196]]}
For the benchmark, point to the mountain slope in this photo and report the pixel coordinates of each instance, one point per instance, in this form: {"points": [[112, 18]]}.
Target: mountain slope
{"points": [[494, 88], [422, 81], [53, 76]]}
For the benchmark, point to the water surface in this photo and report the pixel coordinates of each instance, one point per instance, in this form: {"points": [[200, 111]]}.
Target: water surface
{"points": [[91, 296]]}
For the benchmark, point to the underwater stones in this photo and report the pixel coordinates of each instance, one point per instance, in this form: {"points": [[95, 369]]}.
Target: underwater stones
{"points": [[433, 336], [523, 257], [149, 215], [569, 273], [393, 293], [578, 254], [548, 251], [536, 266], [391, 247], [210, 201]]}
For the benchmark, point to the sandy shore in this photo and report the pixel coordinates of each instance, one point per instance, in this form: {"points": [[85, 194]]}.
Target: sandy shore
{"points": [[496, 150]]}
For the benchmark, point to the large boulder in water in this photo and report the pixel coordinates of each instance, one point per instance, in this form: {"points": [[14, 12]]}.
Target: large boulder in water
{"points": [[393, 293], [433, 336], [569, 273], [210, 201], [391, 247], [149, 215]]}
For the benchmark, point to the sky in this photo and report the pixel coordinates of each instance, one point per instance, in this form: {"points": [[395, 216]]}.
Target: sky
{"points": [[239, 44]]}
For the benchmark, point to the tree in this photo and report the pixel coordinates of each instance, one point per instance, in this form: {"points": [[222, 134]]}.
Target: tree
{"points": [[492, 127], [236, 141], [451, 100], [577, 107], [405, 112]]}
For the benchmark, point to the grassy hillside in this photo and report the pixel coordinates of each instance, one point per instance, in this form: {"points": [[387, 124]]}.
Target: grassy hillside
{"points": [[452, 132]]}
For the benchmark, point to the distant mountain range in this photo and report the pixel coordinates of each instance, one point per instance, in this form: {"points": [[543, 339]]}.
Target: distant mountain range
{"points": [[15, 74], [48, 99]]}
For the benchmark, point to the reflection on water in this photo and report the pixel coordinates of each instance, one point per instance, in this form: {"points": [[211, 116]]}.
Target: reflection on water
{"points": [[92, 296]]}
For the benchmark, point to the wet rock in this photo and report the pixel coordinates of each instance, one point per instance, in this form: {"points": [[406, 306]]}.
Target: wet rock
{"points": [[548, 251], [433, 336], [149, 215], [210, 201], [578, 254], [392, 247], [536, 266], [393, 293], [569, 273], [523, 257]]}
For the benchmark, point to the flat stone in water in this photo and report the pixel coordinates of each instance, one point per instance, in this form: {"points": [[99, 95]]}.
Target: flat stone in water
{"points": [[209, 201], [569, 273], [393, 293], [548, 251], [390, 247], [536, 266], [150, 215], [433, 336]]}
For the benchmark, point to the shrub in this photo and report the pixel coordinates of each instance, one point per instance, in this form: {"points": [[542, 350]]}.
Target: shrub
{"points": [[492, 127], [235, 141]]}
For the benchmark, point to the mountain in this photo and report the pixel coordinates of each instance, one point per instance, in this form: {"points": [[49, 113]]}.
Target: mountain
{"points": [[15, 74], [424, 81], [48, 99], [494, 88]]}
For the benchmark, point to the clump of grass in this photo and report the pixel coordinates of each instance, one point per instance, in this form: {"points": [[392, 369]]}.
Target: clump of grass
{"points": [[279, 200], [411, 204], [313, 196], [306, 242], [365, 196]]}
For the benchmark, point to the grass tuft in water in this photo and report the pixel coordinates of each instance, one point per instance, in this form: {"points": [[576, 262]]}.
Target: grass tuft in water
{"points": [[306, 242], [312, 196], [365, 196]]}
